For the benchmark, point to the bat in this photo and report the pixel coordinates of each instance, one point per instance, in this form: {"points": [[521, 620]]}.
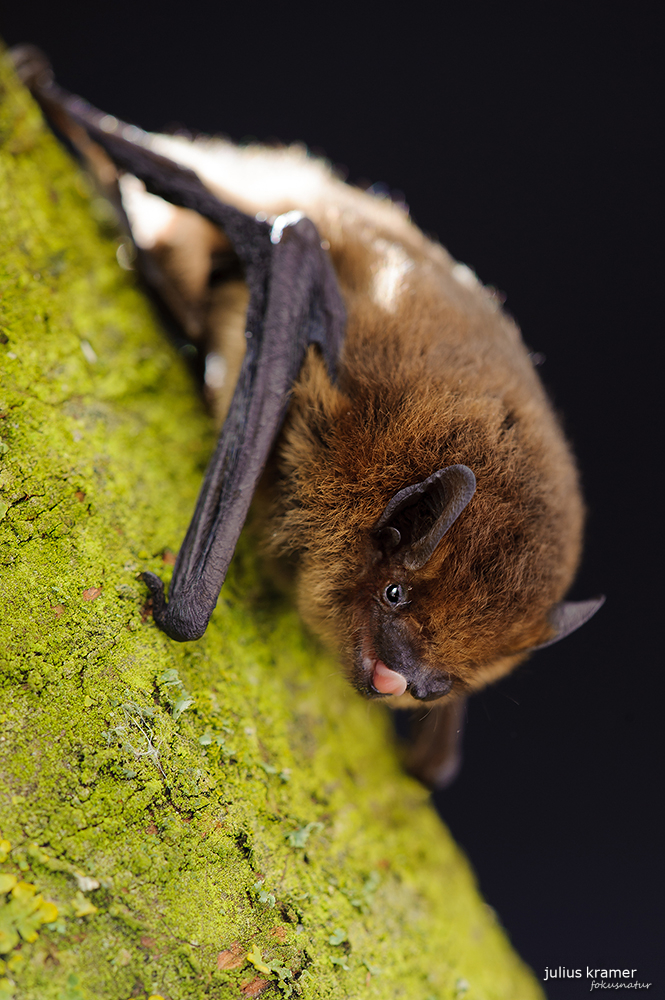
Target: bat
{"points": [[417, 469]]}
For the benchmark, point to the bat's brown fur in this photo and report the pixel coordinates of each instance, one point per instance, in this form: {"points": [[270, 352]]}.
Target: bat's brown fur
{"points": [[433, 374], [485, 595]]}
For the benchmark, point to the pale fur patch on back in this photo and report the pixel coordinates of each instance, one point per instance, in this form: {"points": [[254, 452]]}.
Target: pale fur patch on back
{"points": [[389, 271], [267, 177], [267, 182]]}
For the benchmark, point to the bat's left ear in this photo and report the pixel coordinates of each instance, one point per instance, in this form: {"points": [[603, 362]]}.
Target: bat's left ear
{"points": [[417, 518], [568, 616]]}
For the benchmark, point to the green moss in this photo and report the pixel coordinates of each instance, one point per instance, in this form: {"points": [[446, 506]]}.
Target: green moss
{"points": [[203, 816]]}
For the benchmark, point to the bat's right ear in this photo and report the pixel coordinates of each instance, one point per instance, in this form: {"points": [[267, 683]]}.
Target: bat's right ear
{"points": [[416, 519]]}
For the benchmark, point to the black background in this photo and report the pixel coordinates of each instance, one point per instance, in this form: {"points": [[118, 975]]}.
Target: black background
{"points": [[525, 138]]}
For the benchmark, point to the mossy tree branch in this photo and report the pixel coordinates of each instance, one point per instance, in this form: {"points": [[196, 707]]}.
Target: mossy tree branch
{"points": [[182, 806]]}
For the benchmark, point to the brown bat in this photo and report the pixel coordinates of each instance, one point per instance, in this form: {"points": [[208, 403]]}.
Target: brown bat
{"points": [[420, 474]]}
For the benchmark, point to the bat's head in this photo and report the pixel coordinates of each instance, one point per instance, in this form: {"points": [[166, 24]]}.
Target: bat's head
{"points": [[420, 636]]}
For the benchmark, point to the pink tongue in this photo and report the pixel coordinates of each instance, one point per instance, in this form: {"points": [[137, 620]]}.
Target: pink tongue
{"points": [[387, 681]]}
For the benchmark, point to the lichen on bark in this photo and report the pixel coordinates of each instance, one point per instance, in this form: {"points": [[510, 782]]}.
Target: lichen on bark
{"points": [[212, 819]]}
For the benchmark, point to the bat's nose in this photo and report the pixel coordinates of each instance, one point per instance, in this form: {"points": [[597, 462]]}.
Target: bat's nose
{"points": [[429, 688]]}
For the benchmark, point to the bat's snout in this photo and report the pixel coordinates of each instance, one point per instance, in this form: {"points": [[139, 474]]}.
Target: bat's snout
{"points": [[422, 684]]}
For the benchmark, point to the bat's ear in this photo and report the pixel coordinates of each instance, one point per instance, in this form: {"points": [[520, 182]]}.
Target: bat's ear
{"points": [[568, 616], [417, 518]]}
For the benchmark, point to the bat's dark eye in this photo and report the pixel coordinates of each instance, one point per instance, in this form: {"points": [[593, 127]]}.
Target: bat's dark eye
{"points": [[394, 593]]}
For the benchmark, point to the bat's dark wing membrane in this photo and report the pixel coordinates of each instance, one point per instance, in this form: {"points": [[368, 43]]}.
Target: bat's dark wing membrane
{"points": [[294, 301]]}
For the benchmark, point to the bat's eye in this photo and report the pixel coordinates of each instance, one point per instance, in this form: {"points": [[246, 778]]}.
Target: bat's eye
{"points": [[394, 594]]}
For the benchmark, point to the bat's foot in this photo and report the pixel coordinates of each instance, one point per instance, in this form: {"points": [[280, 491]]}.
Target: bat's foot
{"points": [[433, 774], [433, 748]]}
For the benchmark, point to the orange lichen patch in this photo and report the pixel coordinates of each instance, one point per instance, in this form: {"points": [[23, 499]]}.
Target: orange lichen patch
{"points": [[279, 932], [80, 496], [254, 987], [91, 593], [231, 958]]}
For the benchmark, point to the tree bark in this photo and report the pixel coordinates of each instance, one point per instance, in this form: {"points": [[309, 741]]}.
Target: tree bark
{"points": [[213, 819]]}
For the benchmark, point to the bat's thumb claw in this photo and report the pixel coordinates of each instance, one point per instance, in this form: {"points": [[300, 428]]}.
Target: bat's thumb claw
{"points": [[156, 588]]}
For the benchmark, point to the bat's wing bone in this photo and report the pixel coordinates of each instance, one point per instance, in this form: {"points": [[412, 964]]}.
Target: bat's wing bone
{"points": [[294, 301]]}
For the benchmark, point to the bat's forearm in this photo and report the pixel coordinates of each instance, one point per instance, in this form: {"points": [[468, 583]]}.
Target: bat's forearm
{"points": [[303, 307]]}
